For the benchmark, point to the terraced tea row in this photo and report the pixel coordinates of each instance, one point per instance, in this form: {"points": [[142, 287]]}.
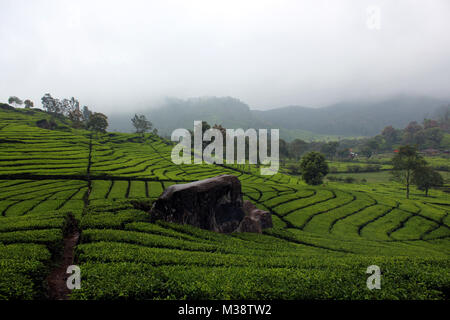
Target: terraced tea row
{"points": [[323, 239]]}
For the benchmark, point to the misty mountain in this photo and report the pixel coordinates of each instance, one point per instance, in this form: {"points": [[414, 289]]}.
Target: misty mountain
{"points": [[353, 118], [362, 118], [177, 113]]}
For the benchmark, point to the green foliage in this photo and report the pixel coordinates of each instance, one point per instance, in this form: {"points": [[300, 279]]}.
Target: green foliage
{"points": [[405, 163], [15, 101], [330, 149], [98, 122], [141, 124], [425, 178], [313, 168], [323, 281], [104, 220], [323, 239]]}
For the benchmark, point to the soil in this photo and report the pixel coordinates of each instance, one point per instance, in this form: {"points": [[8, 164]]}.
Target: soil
{"points": [[57, 278]]}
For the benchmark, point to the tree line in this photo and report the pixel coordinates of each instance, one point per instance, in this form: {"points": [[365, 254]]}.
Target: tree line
{"points": [[81, 118], [409, 168], [429, 134]]}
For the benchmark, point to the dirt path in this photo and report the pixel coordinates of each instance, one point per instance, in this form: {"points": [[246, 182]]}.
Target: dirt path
{"points": [[56, 280]]}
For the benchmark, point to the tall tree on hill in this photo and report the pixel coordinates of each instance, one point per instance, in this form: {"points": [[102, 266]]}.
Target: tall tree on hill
{"points": [[71, 109], [15, 101], [313, 168], [28, 104], [426, 177], [141, 124], [70, 105], [86, 115], [50, 104], [77, 117], [406, 163], [98, 122]]}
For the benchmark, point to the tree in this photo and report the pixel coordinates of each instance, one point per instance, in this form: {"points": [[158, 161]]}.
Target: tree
{"points": [[374, 145], [77, 118], [86, 115], [433, 136], [71, 109], [313, 168], [284, 149], [15, 101], [68, 106], [297, 148], [330, 148], [28, 104], [410, 131], [98, 122], [430, 123], [390, 135], [419, 138], [141, 124], [343, 153], [50, 104], [426, 177], [367, 151], [413, 127], [405, 163]]}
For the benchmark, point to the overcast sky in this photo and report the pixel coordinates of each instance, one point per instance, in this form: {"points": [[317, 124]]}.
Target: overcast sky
{"points": [[266, 53]]}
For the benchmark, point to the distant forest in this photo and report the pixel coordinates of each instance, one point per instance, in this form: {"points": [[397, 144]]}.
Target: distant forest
{"points": [[343, 120]]}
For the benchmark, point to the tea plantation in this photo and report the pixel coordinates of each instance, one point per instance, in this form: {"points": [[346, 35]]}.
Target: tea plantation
{"points": [[323, 239]]}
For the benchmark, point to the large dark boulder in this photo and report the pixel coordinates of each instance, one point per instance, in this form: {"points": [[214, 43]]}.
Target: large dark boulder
{"points": [[213, 204]]}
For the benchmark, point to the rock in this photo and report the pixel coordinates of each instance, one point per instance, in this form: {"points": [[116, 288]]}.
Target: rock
{"points": [[249, 224], [213, 204], [264, 217]]}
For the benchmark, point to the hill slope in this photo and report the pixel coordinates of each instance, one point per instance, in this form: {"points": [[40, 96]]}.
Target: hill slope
{"points": [[343, 119], [354, 118], [323, 238]]}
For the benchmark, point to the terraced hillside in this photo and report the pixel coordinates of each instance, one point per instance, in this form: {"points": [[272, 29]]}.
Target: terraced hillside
{"points": [[323, 240]]}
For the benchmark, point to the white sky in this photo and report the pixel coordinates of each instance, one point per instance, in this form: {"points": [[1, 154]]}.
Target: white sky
{"points": [[124, 54]]}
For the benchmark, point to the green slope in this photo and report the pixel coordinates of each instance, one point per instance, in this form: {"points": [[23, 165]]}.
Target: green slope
{"points": [[323, 238]]}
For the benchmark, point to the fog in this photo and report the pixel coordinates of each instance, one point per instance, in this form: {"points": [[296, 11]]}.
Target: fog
{"points": [[123, 55]]}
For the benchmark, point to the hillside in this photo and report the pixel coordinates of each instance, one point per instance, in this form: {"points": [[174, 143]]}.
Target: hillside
{"points": [[53, 182], [347, 119], [354, 118]]}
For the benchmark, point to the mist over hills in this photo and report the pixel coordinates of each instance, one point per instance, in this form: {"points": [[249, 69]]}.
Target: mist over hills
{"points": [[345, 119]]}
